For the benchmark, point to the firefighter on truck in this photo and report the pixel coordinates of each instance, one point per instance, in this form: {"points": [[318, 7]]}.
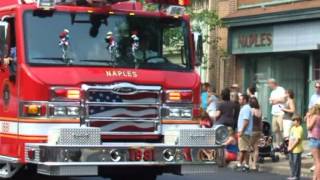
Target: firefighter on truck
{"points": [[101, 88]]}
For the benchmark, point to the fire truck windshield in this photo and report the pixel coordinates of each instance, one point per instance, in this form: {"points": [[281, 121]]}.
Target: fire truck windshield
{"points": [[88, 39]]}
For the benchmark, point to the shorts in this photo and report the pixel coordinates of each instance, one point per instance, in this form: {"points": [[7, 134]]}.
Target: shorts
{"points": [[244, 143], [256, 135], [211, 115], [277, 123], [314, 143], [230, 156], [287, 124]]}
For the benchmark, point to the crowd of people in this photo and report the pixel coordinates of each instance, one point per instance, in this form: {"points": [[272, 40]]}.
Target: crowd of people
{"points": [[241, 114]]}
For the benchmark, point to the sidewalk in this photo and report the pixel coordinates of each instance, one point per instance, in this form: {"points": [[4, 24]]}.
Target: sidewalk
{"points": [[282, 167]]}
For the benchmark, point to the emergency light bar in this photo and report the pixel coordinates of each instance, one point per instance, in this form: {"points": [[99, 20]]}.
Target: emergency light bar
{"points": [[171, 2], [175, 10], [46, 3], [175, 6], [52, 3]]}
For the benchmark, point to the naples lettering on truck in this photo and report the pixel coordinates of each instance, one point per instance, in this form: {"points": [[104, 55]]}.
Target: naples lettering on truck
{"points": [[115, 73]]}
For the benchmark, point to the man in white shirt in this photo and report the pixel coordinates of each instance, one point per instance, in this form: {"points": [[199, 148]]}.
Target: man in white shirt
{"points": [[277, 99], [315, 98]]}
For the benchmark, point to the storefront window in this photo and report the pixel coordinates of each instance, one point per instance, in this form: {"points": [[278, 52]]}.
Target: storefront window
{"points": [[316, 66]]}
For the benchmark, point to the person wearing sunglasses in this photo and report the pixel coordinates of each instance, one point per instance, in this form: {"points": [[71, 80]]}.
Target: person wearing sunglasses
{"points": [[315, 98]]}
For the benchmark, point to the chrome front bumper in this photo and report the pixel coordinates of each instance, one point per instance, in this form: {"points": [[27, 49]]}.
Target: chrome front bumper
{"points": [[70, 159], [78, 151]]}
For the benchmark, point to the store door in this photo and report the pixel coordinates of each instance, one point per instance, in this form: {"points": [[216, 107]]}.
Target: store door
{"points": [[262, 75], [289, 71]]}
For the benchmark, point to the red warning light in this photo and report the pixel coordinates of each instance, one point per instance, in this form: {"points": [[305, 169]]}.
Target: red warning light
{"points": [[171, 2]]}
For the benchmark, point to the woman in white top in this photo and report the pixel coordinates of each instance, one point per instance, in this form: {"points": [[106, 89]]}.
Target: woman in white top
{"points": [[288, 109]]}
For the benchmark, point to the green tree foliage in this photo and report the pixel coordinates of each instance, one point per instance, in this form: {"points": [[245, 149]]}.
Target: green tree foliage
{"points": [[200, 19], [203, 18], [203, 21]]}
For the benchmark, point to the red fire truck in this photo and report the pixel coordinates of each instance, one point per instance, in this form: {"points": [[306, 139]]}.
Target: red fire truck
{"points": [[101, 87]]}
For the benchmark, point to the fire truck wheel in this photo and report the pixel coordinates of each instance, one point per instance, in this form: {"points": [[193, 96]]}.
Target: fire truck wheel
{"points": [[8, 170], [149, 177], [30, 172]]}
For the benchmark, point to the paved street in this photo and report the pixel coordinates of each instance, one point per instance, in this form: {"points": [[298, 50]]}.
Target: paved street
{"points": [[224, 174]]}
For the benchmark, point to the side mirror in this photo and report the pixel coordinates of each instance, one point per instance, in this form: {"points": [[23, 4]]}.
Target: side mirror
{"points": [[3, 39], [199, 49], [182, 55], [6, 52]]}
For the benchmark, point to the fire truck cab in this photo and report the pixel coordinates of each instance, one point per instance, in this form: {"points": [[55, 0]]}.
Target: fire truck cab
{"points": [[101, 88]]}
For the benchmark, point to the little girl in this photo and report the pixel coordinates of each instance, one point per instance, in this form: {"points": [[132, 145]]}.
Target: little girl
{"points": [[231, 149]]}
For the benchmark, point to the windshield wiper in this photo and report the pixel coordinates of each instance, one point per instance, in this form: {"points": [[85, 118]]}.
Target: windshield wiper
{"points": [[96, 60], [67, 61], [104, 61]]}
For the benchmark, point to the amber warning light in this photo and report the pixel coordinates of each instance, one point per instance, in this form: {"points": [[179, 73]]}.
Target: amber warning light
{"points": [[171, 2], [184, 96], [66, 94]]}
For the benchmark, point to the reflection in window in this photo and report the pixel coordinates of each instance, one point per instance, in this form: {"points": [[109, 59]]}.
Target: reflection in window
{"points": [[108, 40]]}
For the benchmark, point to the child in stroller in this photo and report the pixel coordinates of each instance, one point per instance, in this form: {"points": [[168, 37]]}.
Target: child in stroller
{"points": [[266, 144], [283, 148]]}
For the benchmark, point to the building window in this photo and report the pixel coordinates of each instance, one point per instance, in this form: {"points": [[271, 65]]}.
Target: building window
{"points": [[316, 66]]}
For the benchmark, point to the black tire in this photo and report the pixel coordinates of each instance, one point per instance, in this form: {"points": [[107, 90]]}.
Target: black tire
{"points": [[261, 160], [117, 178], [275, 158], [149, 177], [25, 173], [129, 177], [287, 157], [35, 176]]}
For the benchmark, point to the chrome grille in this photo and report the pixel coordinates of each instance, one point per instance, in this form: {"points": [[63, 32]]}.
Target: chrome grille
{"points": [[95, 95], [122, 111], [123, 108]]}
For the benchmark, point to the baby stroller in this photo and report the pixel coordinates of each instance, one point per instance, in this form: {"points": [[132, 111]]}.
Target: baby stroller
{"points": [[266, 144], [283, 148]]}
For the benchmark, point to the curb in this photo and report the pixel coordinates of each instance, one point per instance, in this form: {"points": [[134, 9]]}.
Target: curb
{"points": [[285, 170], [280, 168]]}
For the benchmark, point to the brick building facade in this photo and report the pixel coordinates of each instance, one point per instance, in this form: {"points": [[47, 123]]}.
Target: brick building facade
{"points": [[276, 39], [219, 67]]}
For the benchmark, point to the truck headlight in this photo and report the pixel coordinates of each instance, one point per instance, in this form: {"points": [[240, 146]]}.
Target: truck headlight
{"points": [[186, 113], [73, 111], [174, 113], [177, 112], [221, 134], [59, 111]]}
